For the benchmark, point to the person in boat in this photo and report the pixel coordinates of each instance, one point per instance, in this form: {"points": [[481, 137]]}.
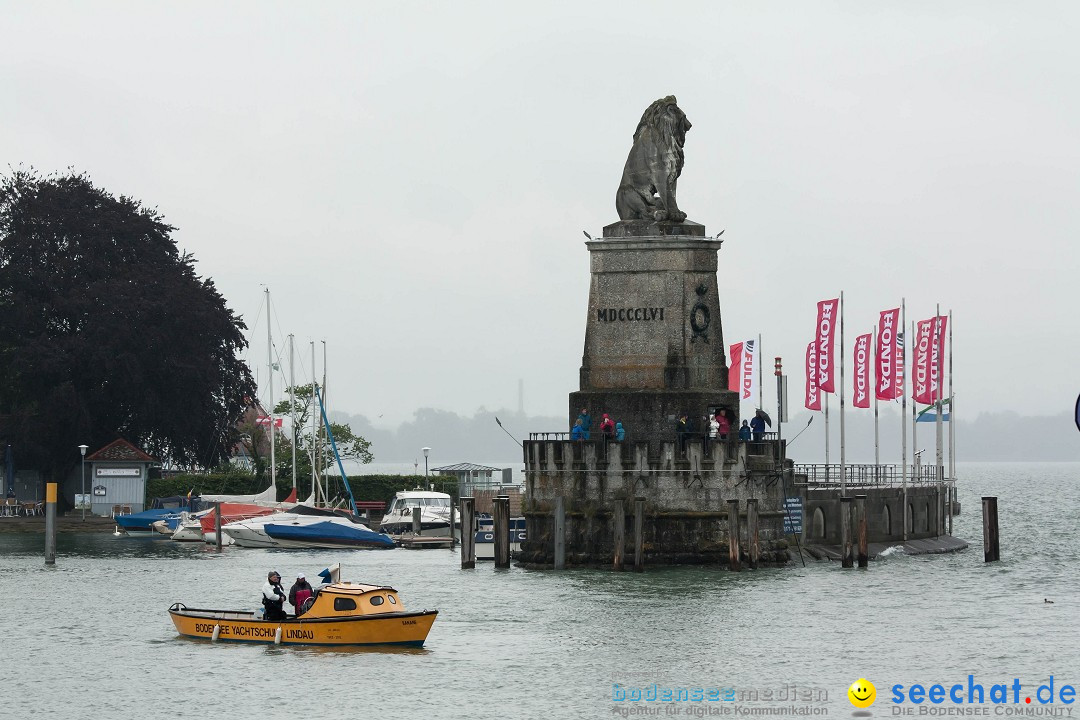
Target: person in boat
{"points": [[273, 597], [298, 593]]}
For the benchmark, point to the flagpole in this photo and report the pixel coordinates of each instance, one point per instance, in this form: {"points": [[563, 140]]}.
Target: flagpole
{"points": [[760, 378], [843, 459], [314, 432], [914, 428], [939, 457], [270, 367], [825, 397], [903, 413], [873, 363], [952, 430]]}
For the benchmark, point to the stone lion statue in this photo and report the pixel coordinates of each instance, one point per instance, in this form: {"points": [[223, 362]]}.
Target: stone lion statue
{"points": [[647, 189]]}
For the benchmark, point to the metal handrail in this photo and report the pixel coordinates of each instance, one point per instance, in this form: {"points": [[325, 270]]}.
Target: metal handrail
{"points": [[865, 475]]}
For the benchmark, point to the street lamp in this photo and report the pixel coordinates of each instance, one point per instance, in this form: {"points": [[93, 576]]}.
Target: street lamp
{"points": [[82, 451], [426, 451]]}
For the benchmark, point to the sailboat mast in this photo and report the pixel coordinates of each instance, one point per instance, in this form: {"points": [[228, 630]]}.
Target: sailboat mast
{"points": [[270, 367], [314, 468], [292, 407]]}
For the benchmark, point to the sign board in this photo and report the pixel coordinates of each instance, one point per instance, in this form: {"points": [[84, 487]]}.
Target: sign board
{"points": [[117, 472], [82, 501], [793, 516], [99, 491]]}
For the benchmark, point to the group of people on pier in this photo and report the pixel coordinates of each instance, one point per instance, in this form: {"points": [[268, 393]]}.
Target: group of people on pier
{"points": [[720, 427], [609, 429]]}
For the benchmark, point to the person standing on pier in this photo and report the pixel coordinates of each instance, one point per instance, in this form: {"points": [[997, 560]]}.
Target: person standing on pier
{"points": [[576, 433], [744, 431], [586, 423], [757, 425], [607, 427]]}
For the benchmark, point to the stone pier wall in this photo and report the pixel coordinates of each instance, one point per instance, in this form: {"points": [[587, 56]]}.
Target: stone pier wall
{"points": [[884, 514], [686, 496]]}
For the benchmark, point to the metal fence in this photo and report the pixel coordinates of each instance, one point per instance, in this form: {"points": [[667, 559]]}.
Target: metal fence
{"points": [[864, 475]]}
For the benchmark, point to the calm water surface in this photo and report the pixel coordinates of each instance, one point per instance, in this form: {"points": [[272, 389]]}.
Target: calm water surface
{"points": [[90, 637]]}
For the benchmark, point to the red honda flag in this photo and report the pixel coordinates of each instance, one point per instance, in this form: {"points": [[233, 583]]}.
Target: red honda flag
{"points": [[920, 378], [813, 397], [888, 367], [734, 371], [937, 355], [861, 398], [824, 333]]}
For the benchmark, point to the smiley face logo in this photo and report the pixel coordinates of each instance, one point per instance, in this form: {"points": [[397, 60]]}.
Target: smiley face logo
{"points": [[862, 693]]}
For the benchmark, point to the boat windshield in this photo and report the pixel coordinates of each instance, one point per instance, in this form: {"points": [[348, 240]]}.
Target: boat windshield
{"points": [[408, 503]]}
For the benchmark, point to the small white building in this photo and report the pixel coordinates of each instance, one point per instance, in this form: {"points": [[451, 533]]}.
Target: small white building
{"points": [[117, 481]]}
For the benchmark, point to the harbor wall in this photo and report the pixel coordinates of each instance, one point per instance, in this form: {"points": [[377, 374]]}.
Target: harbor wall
{"points": [[686, 493], [884, 514]]}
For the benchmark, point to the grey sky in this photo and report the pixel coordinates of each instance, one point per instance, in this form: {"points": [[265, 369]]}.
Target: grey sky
{"points": [[411, 180]]}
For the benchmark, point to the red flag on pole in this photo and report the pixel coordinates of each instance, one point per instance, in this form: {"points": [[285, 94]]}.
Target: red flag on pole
{"points": [[861, 398], [824, 333], [734, 372], [920, 378], [937, 354], [264, 420], [813, 397], [887, 369]]}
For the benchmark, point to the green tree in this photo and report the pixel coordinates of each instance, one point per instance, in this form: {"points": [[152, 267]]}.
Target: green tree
{"points": [[350, 445], [106, 330]]}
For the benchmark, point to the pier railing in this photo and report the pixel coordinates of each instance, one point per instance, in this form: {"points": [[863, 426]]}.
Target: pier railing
{"points": [[865, 475]]}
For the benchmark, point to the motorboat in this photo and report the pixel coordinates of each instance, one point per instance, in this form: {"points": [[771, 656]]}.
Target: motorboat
{"points": [[142, 523], [232, 512], [251, 532], [329, 532], [189, 527], [341, 613], [484, 539], [434, 513]]}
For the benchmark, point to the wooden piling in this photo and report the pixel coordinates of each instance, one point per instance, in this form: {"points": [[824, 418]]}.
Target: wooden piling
{"points": [[558, 531], [453, 539], [733, 535], [416, 525], [639, 534], [501, 516], [991, 550], [860, 519], [50, 524], [468, 534], [217, 525], [618, 522], [845, 532], [753, 539]]}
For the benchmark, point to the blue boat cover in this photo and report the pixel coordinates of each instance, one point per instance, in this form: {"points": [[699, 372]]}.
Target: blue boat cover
{"points": [[329, 533]]}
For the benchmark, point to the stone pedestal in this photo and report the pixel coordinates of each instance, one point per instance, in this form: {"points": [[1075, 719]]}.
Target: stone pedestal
{"points": [[654, 346]]}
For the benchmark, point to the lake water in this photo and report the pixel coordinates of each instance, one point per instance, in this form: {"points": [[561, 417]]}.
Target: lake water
{"points": [[90, 637]]}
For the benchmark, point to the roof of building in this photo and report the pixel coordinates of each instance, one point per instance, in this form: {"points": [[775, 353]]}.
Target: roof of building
{"points": [[120, 450], [463, 467]]}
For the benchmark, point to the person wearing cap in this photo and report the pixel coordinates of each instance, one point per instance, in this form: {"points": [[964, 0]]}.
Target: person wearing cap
{"points": [[298, 593], [273, 597]]}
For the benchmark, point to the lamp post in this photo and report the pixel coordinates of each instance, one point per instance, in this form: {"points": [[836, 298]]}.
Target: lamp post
{"points": [[82, 451], [426, 451]]}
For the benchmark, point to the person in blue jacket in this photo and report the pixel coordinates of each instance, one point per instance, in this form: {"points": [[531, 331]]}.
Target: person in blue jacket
{"points": [[757, 426], [586, 423], [576, 433], [620, 433], [744, 431]]}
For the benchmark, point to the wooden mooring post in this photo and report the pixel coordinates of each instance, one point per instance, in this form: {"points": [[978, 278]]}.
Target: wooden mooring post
{"points": [[991, 551], [733, 535], [501, 516], [860, 519], [558, 531], [417, 527], [618, 524], [753, 539], [639, 534], [50, 524], [217, 525], [468, 534], [845, 532], [453, 539]]}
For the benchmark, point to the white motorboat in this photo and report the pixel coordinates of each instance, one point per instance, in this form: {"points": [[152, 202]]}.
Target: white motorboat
{"points": [[190, 527], [434, 513]]}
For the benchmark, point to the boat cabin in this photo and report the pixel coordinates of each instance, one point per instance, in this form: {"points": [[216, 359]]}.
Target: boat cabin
{"points": [[406, 500], [345, 599]]}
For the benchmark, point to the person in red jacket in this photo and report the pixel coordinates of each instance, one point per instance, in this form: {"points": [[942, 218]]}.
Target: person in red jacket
{"points": [[607, 427]]}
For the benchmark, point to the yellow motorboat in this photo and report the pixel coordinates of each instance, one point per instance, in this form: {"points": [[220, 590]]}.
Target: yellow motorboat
{"points": [[341, 613]]}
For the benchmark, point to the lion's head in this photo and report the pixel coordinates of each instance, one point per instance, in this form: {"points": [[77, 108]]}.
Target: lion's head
{"points": [[667, 117]]}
